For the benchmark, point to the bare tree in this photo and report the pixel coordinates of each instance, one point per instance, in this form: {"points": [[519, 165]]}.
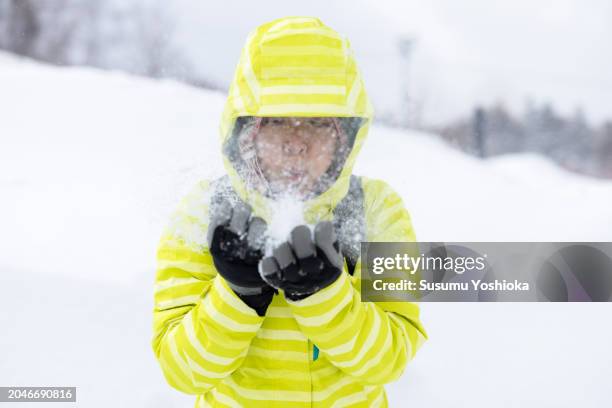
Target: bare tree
{"points": [[23, 26]]}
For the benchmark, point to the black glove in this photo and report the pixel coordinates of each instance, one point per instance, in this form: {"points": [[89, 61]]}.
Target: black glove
{"points": [[236, 241], [302, 266]]}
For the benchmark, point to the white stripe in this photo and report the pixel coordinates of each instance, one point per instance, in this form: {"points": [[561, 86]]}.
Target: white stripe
{"points": [[324, 109], [197, 345], [304, 90], [378, 401], [350, 399], [238, 101], [270, 354], [325, 371], [172, 282], [343, 348], [274, 395], [387, 211], [274, 334], [354, 93], [279, 311], [195, 367], [327, 392], [184, 367], [232, 299], [331, 291], [294, 31], [174, 376], [249, 75], [320, 320], [376, 360], [278, 374], [300, 50], [215, 314], [286, 22], [225, 399], [386, 214], [373, 335], [194, 267], [202, 402]]}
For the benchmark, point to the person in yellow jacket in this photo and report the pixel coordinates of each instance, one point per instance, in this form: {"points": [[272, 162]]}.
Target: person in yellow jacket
{"points": [[244, 320]]}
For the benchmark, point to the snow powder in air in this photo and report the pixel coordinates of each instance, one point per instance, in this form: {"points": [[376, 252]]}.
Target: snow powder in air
{"points": [[287, 213]]}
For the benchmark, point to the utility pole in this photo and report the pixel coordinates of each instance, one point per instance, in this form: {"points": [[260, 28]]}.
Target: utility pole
{"points": [[405, 46]]}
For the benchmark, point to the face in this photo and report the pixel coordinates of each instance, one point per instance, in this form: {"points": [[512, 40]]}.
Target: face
{"points": [[295, 152]]}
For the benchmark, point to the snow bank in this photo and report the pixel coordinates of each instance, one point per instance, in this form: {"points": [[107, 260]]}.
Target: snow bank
{"points": [[93, 162]]}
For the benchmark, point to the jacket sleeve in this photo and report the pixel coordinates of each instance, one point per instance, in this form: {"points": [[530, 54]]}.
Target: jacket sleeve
{"points": [[201, 329], [367, 340]]}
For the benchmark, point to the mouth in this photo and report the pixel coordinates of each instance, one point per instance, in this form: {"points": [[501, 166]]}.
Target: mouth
{"points": [[295, 175]]}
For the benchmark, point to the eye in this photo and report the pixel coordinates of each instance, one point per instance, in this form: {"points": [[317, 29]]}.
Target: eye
{"points": [[320, 123], [273, 122]]}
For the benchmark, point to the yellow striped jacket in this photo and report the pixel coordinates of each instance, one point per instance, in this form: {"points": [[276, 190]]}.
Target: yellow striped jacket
{"points": [[211, 344], [207, 341]]}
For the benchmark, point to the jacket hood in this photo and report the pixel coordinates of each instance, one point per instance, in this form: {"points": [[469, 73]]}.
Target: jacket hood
{"points": [[297, 66]]}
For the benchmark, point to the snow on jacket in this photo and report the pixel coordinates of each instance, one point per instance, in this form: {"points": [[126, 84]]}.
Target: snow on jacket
{"points": [[211, 344]]}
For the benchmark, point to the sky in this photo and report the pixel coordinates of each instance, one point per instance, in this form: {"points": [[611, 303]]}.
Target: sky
{"points": [[465, 53]]}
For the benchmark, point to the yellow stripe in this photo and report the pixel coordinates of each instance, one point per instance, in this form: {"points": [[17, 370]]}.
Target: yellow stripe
{"points": [[194, 267], [279, 311], [173, 282], [323, 64], [273, 395], [324, 318], [211, 309], [384, 350], [349, 399], [225, 399], [380, 398], [318, 309], [197, 345], [271, 354], [187, 372], [231, 299], [324, 395], [178, 256], [354, 93], [174, 302], [308, 305], [304, 110], [350, 345], [282, 72], [194, 289], [173, 378], [315, 50], [304, 89], [373, 334], [302, 99]]}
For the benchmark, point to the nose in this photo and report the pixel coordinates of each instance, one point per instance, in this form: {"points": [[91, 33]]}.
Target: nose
{"points": [[295, 147]]}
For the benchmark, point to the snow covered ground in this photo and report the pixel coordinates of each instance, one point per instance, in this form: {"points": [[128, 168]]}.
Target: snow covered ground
{"points": [[92, 163]]}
